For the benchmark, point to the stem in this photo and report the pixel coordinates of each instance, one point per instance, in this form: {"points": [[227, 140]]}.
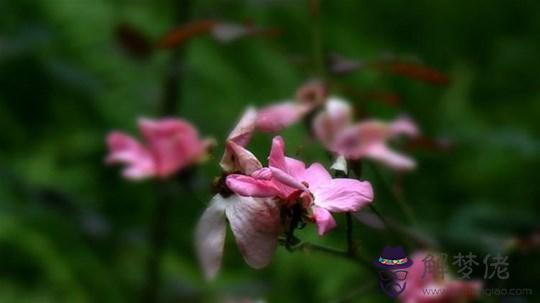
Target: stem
{"points": [[351, 249], [350, 244], [316, 38], [159, 233], [159, 230]]}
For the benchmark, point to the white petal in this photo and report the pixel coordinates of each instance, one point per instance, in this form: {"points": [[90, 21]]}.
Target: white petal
{"points": [[210, 236]]}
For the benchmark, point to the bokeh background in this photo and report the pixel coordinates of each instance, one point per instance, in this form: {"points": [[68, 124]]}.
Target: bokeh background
{"points": [[72, 230]]}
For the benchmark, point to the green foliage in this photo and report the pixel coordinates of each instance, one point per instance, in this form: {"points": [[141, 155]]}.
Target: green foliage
{"points": [[71, 230]]}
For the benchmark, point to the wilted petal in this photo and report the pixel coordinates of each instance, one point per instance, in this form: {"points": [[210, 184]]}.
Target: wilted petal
{"points": [[125, 149], [238, 159], [210, 236], [277, 117], [397, 161], [324, 220], [256, 226], [250, 187], [174, 143], [343, 195]]}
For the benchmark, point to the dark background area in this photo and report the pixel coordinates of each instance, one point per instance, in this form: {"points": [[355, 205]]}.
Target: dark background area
{"points": [[72, 230]]}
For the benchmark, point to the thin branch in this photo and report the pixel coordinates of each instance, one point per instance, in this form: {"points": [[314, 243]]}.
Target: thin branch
{"points": [[159, 229], [405, 208], [306, 246]]}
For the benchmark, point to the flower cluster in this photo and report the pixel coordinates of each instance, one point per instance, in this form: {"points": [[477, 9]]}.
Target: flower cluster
{"points": [[255, 197], [261, 203]]}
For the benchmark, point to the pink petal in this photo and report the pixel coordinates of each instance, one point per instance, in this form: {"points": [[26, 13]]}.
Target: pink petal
{"points": [[277, 117], [295, 168], [250, 187], [264, 173], [353, 141], [343, 195], [125, 149], [277, 154], [210, 236], [238, 159], [330, 122], [242, 132], [404, 126], [324, 220], [384, 155], [316, 176], [174, 143], [287, 179], [255, 224]]}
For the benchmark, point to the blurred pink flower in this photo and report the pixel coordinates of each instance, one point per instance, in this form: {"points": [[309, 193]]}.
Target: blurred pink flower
{"points": [[288, 179], [426, 289], [254, 222], [281, 115], [169, 145], [369, 139], [336, 116]]}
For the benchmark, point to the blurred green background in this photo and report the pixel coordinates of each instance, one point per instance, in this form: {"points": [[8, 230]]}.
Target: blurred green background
{"points": [[72, 230]]}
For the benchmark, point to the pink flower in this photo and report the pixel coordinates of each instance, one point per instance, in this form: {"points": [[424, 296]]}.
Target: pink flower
{"points": [[170, 145], [255, 224], [279, 116], [368, 139], [425, 289], [289, 179]]}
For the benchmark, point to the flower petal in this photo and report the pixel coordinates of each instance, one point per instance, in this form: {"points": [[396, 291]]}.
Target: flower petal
{"points": [[250, 187], [354, 140], [125, 149], [238, 159], [277, 117], [174, 144], [343, 195], [397, 161], [277, 154], [287, 179], [404, 126], [316, 175], [242, 132], [255, 224], [324, 220], [210, 236], [330, 122]]}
